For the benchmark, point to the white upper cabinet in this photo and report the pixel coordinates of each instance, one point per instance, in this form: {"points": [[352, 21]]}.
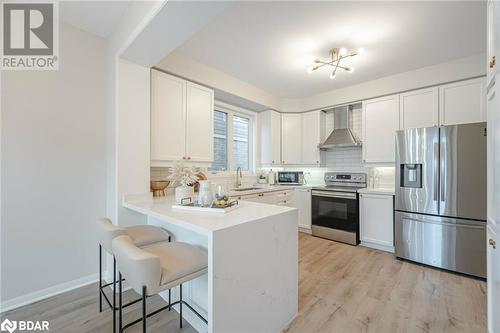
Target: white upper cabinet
{"points": [[270, 142], [199, 123], [462, 102], [419, 108], [181, 120], [380, 122], [312, 135], [168, 110], [291, 138]]}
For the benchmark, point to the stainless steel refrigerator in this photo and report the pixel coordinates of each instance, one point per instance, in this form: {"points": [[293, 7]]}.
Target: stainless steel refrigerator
{"points": [[440, 204]]}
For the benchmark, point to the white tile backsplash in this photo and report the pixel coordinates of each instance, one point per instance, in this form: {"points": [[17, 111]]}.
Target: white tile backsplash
{"points": [[381, 177], [344, 159], [226, 181]]}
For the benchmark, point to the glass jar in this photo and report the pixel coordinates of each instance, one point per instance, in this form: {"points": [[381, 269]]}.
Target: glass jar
{"points": [[205, 196]]}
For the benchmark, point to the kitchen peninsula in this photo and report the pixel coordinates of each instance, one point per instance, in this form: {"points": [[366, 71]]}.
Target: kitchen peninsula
{"points": [[252, 280]]}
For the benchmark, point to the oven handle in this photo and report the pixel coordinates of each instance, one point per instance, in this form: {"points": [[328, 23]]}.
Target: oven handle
{"points": [[342, 195]]}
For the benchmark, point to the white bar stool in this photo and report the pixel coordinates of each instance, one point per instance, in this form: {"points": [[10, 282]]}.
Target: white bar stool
{"points": [[140, 235], [155, 268]]}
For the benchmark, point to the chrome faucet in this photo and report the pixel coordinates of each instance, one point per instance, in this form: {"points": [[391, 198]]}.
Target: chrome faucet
{"points": [[239, 175]]}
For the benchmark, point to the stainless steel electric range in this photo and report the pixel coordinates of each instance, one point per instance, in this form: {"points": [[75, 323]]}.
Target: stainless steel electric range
{"points": [[335, 207]]}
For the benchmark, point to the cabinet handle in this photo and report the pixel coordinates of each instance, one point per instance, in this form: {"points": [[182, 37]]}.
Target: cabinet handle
{"points": [[283, 162], [183, 157], [493, 243], [272, 162], [493, 62], [189, 157]]}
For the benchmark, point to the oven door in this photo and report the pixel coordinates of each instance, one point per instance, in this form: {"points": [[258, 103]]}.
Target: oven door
{"points": [[335, 216]]}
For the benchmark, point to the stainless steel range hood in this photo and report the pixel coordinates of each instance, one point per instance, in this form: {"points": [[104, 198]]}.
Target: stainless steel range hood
{"points": [[342, 135]]}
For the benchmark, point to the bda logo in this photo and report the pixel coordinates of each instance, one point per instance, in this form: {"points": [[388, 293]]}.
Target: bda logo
{"points": [[8, 325]]}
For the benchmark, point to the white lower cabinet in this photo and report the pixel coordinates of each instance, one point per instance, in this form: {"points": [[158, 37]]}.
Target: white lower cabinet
{"points": [[299, 198], [376, 221], [302, 202]]}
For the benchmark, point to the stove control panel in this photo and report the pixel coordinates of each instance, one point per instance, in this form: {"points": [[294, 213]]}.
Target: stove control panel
{"points": [[344, 178]]}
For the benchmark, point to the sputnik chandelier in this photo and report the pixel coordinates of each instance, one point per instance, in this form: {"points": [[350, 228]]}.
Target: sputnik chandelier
{"points": [[337, 56]]}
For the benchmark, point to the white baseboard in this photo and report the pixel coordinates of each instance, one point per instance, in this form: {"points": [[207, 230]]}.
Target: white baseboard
{"points": [[305, 230], [47, 292], [386, 248]]}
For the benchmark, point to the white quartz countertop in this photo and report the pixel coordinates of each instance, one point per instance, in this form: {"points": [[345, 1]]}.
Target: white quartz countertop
{"points": [[377, 190], [262, 188], [200, 222]]}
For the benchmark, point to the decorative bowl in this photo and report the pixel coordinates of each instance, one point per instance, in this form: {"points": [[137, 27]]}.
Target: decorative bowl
{"points": [[158, 187]]}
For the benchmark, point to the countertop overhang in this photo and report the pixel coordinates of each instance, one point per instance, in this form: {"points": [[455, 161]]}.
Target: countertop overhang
{"points": [[200, 222]]}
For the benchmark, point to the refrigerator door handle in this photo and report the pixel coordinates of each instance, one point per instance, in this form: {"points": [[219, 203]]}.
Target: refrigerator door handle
{"points": [[448, 224], [443, 166], [436, 172]]}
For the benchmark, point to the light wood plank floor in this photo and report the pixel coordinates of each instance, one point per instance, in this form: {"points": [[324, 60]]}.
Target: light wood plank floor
{"points": [[356, 289], [342, 289]]}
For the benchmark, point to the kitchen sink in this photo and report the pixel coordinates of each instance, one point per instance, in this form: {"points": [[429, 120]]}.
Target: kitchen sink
{"points": [[245, 189]]}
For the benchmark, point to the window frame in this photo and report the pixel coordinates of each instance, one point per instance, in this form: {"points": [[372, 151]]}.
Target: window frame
{"points": [[232, 111]]}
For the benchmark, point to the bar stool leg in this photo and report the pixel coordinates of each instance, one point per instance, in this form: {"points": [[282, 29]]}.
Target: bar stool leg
{"points": [[169, 291], [120, 302], [114, 295], [180, 304], [100, 278], [144, 309]]}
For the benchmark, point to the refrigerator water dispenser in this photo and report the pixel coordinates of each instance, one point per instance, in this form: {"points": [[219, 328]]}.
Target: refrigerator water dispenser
{"points": [[411, 175]]}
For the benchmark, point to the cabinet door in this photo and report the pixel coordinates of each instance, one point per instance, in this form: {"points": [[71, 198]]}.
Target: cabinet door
{"points": [[250, 197], [311, 137], [268, 197], [493, 39], [462, 102], [285, 198], [291, 138], [270, 124], [419, 108], [199, 123], [302, 201], [380, 122], [168, 98], [493, 279], [376, 221]]}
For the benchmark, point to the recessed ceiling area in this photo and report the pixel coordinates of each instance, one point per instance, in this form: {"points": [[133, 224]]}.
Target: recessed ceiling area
{"points": [[96, 17], [271, 44]]}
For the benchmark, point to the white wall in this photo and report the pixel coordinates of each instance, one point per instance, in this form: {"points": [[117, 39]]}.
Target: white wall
{"points": [[133, 136], [459, 69], [178, 64], [53, 170], [133, 21]]}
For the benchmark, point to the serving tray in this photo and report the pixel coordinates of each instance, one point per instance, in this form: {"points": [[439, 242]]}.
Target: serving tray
{"points": [[214, 209]]}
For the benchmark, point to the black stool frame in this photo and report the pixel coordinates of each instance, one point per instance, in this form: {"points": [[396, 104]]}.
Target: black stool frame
{"points": [[146, 315], [102, 293]]}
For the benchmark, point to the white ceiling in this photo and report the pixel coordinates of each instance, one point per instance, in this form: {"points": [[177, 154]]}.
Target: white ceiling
{"points": [[96, 17], [271, 44]]}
